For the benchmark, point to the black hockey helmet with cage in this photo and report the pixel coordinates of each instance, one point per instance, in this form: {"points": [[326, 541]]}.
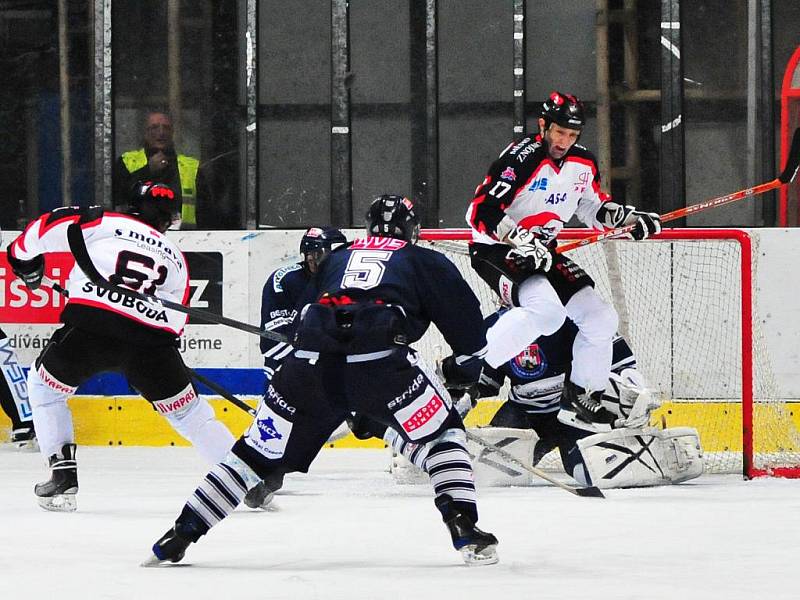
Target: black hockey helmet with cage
{"points": [[317, 243], [156, 204], [393, 216], [564, 110]]}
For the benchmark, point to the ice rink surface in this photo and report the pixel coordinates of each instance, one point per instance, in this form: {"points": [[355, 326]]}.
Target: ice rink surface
{"points": [[346, 531]]}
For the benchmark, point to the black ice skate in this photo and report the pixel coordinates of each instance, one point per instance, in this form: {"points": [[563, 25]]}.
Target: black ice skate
{"points": [[169, 548], [584, 410], [262, 494], [476, 547], [58, 494], [24, 438]]}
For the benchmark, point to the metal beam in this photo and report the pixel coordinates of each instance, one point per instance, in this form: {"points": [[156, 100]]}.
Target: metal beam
{"points": [[341, 159], [103, 142], [520, 126], [673, 168], [249, 205]]}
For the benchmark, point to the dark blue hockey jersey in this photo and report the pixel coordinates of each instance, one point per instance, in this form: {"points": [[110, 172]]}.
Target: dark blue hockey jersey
{"points": [[423, 283], [537, 374], [279, 299]]}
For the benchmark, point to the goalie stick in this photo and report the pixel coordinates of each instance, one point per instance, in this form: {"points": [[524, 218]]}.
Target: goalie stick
{"points": [[78, 247], [584, 492], [788, 174]]}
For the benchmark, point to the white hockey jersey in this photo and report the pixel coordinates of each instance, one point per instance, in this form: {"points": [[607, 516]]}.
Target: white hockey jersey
{"points": [[536, 192], [126, 252]]}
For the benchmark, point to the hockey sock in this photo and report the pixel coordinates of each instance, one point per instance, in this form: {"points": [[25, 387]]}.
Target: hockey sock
{"points": [[216, 497], [450, 470], [414, 453]]}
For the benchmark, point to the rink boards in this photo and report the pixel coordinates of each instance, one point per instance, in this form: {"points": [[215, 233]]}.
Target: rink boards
{"points": [[131, 421]]}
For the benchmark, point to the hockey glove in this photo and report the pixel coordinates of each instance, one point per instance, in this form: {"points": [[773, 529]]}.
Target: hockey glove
{"points": [[461, 383], [30, 272], [647, 224], [530, 258], [613, 215]]}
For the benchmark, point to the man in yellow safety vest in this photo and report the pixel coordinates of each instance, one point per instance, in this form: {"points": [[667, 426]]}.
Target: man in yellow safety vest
{"points": [[158, 161]]}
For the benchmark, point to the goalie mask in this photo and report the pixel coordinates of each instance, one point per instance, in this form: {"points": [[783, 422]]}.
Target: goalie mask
{"points": [[317, 243], [393, 216], [155, 203]]}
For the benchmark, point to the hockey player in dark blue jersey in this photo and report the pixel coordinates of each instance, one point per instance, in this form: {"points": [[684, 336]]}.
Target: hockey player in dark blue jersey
{"points": [[279, 299], [368, 302], [284, 287], [631, 455]]}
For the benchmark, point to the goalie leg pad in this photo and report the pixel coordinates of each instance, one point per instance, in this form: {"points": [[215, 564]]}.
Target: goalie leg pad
{"points": [[642, 457], [490, 469]]}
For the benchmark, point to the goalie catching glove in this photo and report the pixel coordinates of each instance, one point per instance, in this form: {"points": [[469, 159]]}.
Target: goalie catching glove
{"points": [[645, 224], [529, 254], [30, 272]]}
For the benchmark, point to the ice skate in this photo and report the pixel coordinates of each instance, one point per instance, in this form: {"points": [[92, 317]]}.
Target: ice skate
{"points": [[476, 547], [58, 494], [169, 548], [24, 438], [259, 496], [584, 410]]}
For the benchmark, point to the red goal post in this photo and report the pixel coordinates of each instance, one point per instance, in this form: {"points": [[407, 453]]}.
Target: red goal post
{"points": [[686, 306]]}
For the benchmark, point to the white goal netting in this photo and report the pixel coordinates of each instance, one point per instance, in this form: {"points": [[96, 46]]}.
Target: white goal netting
{"points": [[684, 307]]}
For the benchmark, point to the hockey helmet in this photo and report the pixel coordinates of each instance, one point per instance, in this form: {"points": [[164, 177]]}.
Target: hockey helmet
{"points": [[393, 216], [156, 204], [317, 243], [564, 110]]}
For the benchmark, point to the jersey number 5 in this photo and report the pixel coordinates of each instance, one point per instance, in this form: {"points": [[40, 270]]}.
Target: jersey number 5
{"points": [[365, 269], [125, 275]]}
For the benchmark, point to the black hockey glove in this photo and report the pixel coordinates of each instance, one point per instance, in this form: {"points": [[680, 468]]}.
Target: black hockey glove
{"points": [[30, 272], [647, 224], [529, 254], [613, 215], [461, 383]]}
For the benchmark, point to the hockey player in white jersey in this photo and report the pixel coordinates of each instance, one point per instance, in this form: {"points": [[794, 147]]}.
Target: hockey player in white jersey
{"points": [[528, 194], [108, 331]]}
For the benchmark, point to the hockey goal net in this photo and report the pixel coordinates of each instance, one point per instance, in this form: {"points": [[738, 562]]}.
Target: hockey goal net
{"points": [[686, 307]]}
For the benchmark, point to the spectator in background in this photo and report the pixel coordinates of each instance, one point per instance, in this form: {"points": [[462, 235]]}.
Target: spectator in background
{"points": [[158, 161]]}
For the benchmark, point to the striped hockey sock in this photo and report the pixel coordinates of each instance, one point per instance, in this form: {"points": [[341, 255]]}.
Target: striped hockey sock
{"points": [[220, 492], [450, 470]]}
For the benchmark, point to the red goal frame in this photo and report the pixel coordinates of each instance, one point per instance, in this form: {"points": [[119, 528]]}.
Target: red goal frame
{"points": [[749, 470]]}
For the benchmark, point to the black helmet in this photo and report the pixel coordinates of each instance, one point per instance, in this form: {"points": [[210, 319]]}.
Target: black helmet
{"points": [[317, 243], [564, 110], [393, 216], [155, 203]]}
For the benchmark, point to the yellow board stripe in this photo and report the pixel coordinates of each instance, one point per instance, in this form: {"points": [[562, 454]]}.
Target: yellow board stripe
{"points": [[131, 421]]}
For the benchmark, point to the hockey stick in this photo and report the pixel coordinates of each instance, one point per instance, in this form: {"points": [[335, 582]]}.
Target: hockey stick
{"points": [[209, 383], [215, 387], [584, 492], [788, 174], [78, 247], [218, 389]]}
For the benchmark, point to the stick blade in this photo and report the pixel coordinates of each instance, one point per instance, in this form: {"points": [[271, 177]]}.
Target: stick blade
{"points": [[589, 492], [792, 160]]}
